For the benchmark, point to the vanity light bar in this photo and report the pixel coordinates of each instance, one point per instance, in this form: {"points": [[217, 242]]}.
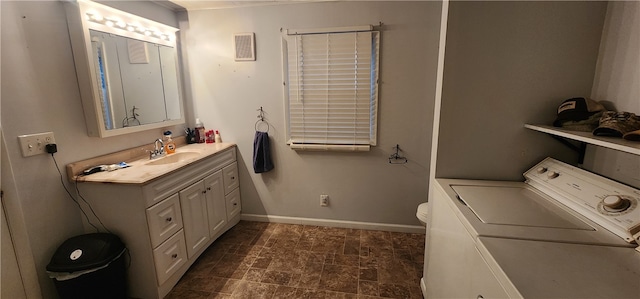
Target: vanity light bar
{"points": [[116, 23], [107, 19]]}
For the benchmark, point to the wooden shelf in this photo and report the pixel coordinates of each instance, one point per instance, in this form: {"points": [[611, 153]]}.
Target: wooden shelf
{"points": [[615, 143]]}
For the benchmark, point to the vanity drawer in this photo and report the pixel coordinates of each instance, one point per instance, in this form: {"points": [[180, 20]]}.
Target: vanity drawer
{"points": [[233, 204], [164, 220], [176, 181], [170, 256], [231, 179]]}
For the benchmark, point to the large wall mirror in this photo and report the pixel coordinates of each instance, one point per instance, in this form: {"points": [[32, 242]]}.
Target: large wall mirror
{"points": [[127, 69]]}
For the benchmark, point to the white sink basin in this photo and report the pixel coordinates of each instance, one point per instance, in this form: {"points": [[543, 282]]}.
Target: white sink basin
{"points": [[174, 158]]}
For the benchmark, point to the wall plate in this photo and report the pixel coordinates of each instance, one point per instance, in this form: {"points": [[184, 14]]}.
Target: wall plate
{"points": [[35, 144]]}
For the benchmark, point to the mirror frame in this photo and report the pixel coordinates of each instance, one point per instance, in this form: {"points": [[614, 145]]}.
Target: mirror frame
{"points": [[78, 12]]}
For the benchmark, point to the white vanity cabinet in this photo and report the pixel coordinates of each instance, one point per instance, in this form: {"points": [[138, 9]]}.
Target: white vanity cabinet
{"points": [[168, 221]]}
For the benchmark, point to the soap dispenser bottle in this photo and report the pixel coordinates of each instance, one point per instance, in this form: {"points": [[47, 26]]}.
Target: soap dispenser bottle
{"points": [[169, 145], [200, 134]]}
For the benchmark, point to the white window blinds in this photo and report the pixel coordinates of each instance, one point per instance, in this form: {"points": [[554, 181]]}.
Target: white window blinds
{"points": [[333, 90]]}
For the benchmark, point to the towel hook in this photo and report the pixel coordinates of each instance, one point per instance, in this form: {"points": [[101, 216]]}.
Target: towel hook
{"points": [[261, 120], [396, 158]]}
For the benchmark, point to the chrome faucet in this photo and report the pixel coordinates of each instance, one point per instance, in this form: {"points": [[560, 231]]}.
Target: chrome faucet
{"points": [[157, 151]]}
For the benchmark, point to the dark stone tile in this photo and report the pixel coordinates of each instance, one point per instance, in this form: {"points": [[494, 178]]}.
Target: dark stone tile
{"points": [[248, 250], [302, 293], [394, 291], [310, 276], [340, 295], [339, 278], [369, 288], [289, 261], [351, 247], [353, 233], [404, 254], [254, 290], [329, 244], [287, 231], [285, 292], [261, 262], [264, 260], [226, 286], [370, 274], [215, 295], [188, 294], [346, 260], [254, 274], [277, 277], [375, 238]]}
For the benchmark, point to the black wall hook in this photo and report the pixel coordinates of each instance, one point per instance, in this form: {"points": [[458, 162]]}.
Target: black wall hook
{"points": [[396, 158]]}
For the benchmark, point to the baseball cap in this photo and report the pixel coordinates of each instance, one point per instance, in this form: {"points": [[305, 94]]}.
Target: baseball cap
{"points": [[577, 109], [617, 124]]}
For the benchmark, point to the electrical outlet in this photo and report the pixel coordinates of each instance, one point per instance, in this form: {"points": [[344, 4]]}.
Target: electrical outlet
{"points": [[324, 200], [35, 144]]}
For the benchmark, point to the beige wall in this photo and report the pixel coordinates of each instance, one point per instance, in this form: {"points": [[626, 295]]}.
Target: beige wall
{"points": [[617, 82], [508, 64], [362, 186]]}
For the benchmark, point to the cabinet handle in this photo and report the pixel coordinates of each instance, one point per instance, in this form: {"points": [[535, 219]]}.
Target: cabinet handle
{"points": [[480, 297], [208, 188], [169, 219], [204, 191], [235, 203], [233, 178], [174, 256]]}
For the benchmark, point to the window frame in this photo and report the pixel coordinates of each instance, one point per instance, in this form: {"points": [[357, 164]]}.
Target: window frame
{"points": [[373, 86]]}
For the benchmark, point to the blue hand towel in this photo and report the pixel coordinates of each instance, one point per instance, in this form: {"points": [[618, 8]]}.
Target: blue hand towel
{"points": [[261, 153]]}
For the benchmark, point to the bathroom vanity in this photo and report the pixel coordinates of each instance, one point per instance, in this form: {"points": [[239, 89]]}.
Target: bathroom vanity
{"points": [[166, 210]]}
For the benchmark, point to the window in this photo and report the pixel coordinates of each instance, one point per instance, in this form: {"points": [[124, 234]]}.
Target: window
{"points": [[332, 90]]}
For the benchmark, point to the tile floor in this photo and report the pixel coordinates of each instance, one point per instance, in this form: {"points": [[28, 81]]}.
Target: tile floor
{"points": [[272, 260]]}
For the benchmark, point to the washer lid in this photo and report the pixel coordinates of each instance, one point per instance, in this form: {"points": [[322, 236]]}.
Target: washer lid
{"points": [[518, 206]]}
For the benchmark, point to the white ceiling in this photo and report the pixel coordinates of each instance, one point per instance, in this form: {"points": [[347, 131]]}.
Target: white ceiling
{"points": [[218, 4]]}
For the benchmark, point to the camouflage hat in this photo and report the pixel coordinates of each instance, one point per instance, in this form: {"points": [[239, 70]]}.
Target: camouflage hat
{"points": [[633, 135], [617, 124], [577, 109]]}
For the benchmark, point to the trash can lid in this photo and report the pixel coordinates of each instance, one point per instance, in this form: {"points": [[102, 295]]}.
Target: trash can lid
{"points": [[86, 252]]}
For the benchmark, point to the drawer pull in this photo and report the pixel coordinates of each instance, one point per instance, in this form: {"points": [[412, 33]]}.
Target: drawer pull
{"points": [[235, 203], [480, 297], [208, 188], [174, 256], [169, 219], [204, 191], [233, 178]]}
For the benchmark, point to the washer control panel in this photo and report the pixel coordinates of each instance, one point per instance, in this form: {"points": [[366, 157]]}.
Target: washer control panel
{"points": [[611, 204]]}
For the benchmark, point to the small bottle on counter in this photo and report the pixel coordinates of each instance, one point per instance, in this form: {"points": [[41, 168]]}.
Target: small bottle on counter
{"points": [[169, 145], [200, 134], [209, 136], [217, 137]]}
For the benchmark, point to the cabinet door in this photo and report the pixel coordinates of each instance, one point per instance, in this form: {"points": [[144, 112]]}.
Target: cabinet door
{"points": [[216, 207], [231, 179], [194, 217]]}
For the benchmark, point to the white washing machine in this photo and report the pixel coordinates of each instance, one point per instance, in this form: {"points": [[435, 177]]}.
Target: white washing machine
{"points": [[563, 233]]}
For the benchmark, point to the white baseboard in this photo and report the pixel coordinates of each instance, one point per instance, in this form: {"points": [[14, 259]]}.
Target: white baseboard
{"points": [[423, 286], [416, 229]]}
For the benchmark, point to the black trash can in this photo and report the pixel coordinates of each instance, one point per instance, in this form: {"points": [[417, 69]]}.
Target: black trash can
{"points": [[89, 266]]}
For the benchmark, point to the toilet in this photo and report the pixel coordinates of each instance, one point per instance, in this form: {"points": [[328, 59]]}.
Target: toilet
{"points": [[421, 213]]}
